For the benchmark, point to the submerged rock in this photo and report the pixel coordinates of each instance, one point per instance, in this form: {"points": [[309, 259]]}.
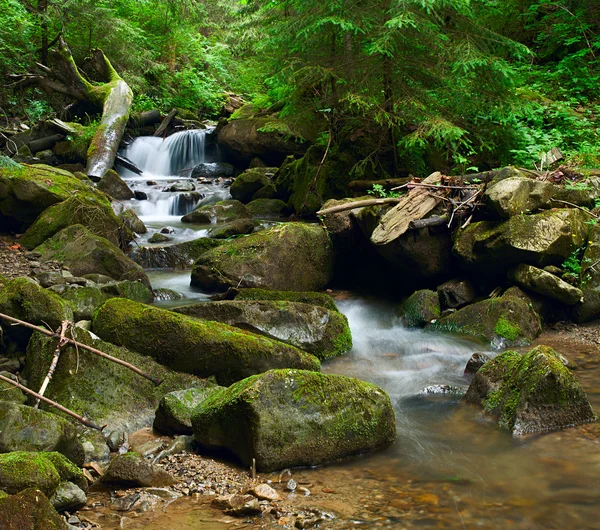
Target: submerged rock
{"points": [[287, 418], [530, 393], [314, 329], [29, 510], [203, 348], [420, 308], [130, 470], [287, 257]]}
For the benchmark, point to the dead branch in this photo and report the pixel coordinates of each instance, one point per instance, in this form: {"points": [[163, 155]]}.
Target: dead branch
{"points": [[358, 204], [577, 206], [165, 123], [436, 220], [61, 342]]}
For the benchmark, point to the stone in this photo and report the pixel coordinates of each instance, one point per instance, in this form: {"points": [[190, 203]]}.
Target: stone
{"points": [[114, 186], [182, 185], [589, 308], [475, 362], [233, 228], [286, 257], [185, 344], [307, 297], [322, 332], [29, 510], [289, 418], [159, 238], [68, 497], [545, 283], [213, 170], [131, 470], [267, 208], [177, 256], [11, 393], [456, 293], [420, 308], [265, 492], [174, 413], [516, 195], [238, 504], [530, 393], [250, 181], [219, 212], [130, 219]]}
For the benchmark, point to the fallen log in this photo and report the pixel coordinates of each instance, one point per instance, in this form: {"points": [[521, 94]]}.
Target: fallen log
{"points": [[61, 126], [45, 143], [145, 118], [359, 204], [127, 164], [165, 123], [436, 220]]}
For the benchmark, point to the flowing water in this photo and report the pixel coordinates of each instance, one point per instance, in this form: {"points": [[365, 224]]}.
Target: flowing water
{"points": [[450, 466]]}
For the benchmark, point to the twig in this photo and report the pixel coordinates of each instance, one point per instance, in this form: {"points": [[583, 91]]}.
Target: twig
{"points": [[464, 203], [54, 404], [441, 186], [578, 207], [155, 380], [61, 342]]}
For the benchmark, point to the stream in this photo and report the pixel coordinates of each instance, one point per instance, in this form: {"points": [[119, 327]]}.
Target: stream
{"points": [[450, 467]]}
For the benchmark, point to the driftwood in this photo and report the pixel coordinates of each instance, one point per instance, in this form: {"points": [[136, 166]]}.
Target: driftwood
{"points": [[127, 164], [61, 342], [436, 220], [165, 123], [61, 126], [45, 143], [48, 333], [54, 404], [412, 207], [358, 204]]}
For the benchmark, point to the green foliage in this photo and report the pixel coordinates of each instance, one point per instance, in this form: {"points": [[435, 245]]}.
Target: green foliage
{"points": [[379, 191]]}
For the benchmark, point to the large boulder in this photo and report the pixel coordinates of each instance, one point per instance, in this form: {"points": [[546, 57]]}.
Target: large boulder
{"points": [[233, 228], [542, 282], [132, 221], [24, 428], [313, 298], [420, 308], [541, 239], [314, 329], [497, 320], [85, 253], [203, 348], [114, 186], [219, 212], [288, 257], [105, 391], [250, 181], [288, 418], [93, 212], [518, 195], [26, 191], [213, 170], [267, 208], [589, 308], [530, 393], [177, 256], [131, 470], [29, 510]]}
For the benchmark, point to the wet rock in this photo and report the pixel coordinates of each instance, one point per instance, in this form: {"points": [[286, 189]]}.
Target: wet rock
{"points": [[29, 510], [267, 208], [140, 195], [442, 390], [132, 221], [456, 293], [190, 345], [219, 212], [131, 470], [250, 181], [287, 257], [114, 186], [159, 238], [516, 195], [166, 295], [174, 413], [307, 297], [234, 228], [545, 283], [475, 362], [420, 308], [287, 418], [68, 497], [177, 256], [213, 170], [265, 492], [183, 185], [530, 393], [237, 504], [314, 329]]}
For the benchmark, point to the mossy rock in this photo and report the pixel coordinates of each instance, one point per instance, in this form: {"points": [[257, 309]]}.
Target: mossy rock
{"points": [[29, 510], [203, 348], [267, 208], [133, 471], [26, 191], [542, 282], [420, 308], [289, 418], [83, 300], [296, 184], [589, 309], [159, 238], [547, 238], [504, 320], [286, 257], [308, 297], [85, 253], [174, 413], [314, 329], [238, 227], [530, 393], [219, 212], [250, 181], [24, 428], [102, 390], [24, 299], [11, 393], [21, 470], [136, 291], [114, 186], [130, 219], [177, 256], [517, 195]]}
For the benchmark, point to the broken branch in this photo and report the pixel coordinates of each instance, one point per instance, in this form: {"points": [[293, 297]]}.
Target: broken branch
{"points": [[358, 204], [61, 342]]}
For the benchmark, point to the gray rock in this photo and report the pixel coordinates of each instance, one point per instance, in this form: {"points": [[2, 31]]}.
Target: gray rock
{"points": [[219, 212], [456, 293], [183, 185], [131, 470], [545, 283], [516, 195], [475, 362], [213, 170], [68, 497], [114, 186], [177, 256], [589, 309], [234, 228], [9, 392]]}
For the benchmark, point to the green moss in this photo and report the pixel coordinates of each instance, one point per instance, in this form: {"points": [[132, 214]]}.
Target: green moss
{"points": [[311, 297], [506, 329], [420, 308], [20, 470]]}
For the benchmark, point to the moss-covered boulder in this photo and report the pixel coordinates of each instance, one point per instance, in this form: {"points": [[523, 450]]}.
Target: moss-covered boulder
{"points": [[102, 390], [295, 180], [20, 470], [308, 297], [131, 470], [136, 291], [267, 208], [250, 181], [530, 393], [177, 256], [174, 412], [24, 428], [288, 418], [130, 219], [542, 239], [287, 257], [203, 348], [314, 329], [504, 320], [219, 212], [26, 191], [589, 308], [24, 299], [114, 186], [544, 283], [29, 510], [420, 308], [93, 212], [11, 393], [234, 228], [85, 253], [518, 195]]}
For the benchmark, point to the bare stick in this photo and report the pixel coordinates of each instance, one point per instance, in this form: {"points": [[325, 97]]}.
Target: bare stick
{"points": [[165, 123], [54, 363], [440, 186], [359, 204], [576, 206], [155, 380], [428, 222], [54, 404]]}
